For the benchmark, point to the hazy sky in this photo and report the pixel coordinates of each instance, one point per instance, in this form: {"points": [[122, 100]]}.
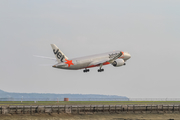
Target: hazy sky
{"points": [[148, 29]]}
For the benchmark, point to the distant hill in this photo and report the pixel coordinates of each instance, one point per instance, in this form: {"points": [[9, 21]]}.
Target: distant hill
{"points": [[1, 91], [50, 96]]}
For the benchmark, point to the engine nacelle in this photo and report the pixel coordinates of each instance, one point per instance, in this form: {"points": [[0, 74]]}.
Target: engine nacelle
{"points": [[118, 63]]}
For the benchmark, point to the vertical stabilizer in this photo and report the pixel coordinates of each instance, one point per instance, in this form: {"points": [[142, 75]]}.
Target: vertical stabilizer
{"points": [[58, 53]]}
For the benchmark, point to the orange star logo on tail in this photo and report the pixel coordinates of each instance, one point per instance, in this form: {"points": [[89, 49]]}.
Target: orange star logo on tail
{"points": [[69, 62]]}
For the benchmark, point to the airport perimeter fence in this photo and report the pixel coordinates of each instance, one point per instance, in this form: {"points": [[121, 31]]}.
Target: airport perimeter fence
{"points": [[90, 99], [89, 109]]}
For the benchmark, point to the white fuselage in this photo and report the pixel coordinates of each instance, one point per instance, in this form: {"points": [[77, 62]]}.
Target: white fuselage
{"points": [[88, 61]]}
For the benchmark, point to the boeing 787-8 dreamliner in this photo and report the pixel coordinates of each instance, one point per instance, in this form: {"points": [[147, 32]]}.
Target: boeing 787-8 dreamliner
{"points": [[116, 58]]}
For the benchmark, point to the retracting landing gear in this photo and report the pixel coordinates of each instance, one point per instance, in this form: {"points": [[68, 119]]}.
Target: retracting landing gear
{"points": [[100, 70], [86, 70]]}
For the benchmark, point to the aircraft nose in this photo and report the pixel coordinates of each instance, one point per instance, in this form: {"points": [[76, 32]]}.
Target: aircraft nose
{"points": [[129, 56]]}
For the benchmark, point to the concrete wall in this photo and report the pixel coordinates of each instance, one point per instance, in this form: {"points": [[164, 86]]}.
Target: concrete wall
{"points": [[90, 109]]}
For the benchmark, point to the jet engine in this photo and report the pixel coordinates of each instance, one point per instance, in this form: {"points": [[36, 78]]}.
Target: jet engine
{"points": [[118, 63]]}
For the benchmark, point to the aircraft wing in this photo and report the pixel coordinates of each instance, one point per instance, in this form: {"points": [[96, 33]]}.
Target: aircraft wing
{"points": [[45, 57], [98, 62]]}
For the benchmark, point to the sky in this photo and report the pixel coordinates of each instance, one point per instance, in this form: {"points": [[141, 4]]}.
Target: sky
{"points": [[149, 30]]}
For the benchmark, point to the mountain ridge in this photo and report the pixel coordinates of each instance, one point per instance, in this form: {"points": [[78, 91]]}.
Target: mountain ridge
{"points": [[4, 94]]}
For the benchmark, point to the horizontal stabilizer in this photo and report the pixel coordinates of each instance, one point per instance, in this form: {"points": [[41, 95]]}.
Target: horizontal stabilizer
{"points": [[45, 57]]}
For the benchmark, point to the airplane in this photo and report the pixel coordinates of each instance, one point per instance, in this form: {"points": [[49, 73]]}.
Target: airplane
{"points": [[116, 58]]}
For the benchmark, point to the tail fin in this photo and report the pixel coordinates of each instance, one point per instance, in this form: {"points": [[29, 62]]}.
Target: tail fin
{"points": [[58, 54]]}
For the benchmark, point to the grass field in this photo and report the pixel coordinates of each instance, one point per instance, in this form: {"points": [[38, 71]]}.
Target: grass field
{"points": [[89, 103]]}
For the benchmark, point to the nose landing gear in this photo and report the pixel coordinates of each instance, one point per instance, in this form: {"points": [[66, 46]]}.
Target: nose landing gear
{"points": [[100, 69]]}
